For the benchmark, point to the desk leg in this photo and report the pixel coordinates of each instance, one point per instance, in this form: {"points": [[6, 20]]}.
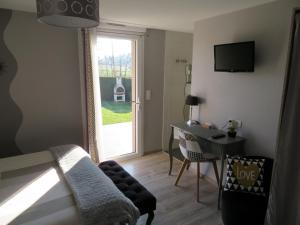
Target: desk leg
{"points": [[171, 149], [221, 180]]}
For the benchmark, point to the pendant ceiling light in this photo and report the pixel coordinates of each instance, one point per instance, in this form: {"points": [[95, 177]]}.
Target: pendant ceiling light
{"points": [[69, 13]]}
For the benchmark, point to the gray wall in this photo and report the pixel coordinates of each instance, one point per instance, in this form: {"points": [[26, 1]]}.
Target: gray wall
{"points": [[11, 117], [47, 83], [154, 81], [178, 46], [254, 98]]}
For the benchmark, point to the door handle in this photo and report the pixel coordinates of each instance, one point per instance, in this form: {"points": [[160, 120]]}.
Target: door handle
{"points": [[137, 103]]}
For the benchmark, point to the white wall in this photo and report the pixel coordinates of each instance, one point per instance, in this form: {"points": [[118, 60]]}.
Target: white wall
{"points": [[177, 45], [47, 83], [254, 98]]}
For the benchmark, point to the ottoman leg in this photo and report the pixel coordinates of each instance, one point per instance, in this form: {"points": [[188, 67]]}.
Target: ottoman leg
{"points": [[150, 218]]}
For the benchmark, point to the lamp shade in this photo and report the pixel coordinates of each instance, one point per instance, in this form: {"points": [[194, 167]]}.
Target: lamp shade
{"points": [[69, 13], [191, 100]]}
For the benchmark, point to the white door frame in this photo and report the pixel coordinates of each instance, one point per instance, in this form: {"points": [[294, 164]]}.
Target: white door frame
{"points": [[139, 38]]}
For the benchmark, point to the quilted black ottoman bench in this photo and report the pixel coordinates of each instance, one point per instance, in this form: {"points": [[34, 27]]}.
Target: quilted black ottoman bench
{"points": [[132, 189]]}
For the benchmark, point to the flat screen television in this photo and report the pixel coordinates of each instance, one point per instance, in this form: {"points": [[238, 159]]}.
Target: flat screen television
{"points": [[235, 57]]}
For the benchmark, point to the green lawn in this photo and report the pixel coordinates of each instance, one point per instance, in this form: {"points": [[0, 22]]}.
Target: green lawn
{"points": [[113, 112]]}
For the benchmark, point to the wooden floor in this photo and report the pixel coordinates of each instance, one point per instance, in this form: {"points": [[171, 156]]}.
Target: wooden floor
{"points": [[175, 205]]}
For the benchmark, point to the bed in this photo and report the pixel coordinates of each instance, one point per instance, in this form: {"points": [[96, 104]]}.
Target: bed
{"points": [[34, 189]]}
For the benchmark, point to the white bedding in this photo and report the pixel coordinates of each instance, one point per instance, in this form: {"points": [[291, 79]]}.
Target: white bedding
{"points": [[98, 199], [33, 191]]}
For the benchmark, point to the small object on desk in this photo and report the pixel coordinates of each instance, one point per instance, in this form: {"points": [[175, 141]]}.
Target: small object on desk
{"points": [[208, 125], [232, 126], [192, 122], [217, 136], [231, 134]]}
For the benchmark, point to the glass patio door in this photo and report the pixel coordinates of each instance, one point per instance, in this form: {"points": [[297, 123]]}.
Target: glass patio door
{"points": [[120, 105]]}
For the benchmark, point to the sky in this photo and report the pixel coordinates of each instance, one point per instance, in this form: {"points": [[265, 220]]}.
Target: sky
{"points": [[120, 47]]}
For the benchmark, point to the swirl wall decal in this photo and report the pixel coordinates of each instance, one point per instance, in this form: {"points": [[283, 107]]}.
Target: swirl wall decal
{"points": [[11, 115], [2, 68]]}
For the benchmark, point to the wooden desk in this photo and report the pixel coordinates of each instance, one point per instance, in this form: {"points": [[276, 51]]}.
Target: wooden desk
{"points": [[221, 146]]}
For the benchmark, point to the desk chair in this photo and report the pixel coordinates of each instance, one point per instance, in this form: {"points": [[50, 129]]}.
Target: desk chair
{"points": [[192, 152]]}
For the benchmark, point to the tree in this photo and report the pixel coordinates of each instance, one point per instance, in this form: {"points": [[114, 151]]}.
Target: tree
{"points": [[127, 61], [120, 66], [106, 62], [113, 60]]}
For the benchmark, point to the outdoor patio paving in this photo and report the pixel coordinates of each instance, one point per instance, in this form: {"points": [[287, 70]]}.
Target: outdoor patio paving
{"points": [[116, 139]]}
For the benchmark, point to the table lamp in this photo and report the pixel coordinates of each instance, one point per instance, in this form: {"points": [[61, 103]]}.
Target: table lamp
{"points": [[191, 101]]}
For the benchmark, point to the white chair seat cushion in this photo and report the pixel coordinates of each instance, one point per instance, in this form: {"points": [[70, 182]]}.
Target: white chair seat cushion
{"points": [[198, 157]]}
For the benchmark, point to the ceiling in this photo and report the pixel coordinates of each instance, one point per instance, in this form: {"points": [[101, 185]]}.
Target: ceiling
{"points": [[177, 15]]}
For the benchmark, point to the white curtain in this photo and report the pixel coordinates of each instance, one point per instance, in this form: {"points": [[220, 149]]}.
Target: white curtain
{"points": [[284, 203], [91, 91]]}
